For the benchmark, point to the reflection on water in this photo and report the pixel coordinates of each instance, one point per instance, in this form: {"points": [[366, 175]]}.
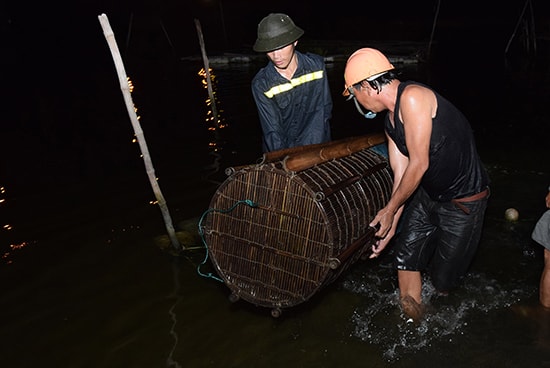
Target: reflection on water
{"points": [[215, 121], [9, 245], [215, 115]]}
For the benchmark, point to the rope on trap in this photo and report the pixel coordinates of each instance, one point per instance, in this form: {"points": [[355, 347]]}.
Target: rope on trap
{"points": [[248, 202]]}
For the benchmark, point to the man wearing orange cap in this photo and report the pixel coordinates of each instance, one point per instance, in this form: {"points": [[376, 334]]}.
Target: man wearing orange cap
{"points": [[437, 173], [291, 92]]}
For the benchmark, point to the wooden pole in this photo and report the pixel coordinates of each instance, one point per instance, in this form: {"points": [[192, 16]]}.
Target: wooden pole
{"points": [[129, 32], [309, 158], [207, 71], [517, 26], [433, 29], [124, 86], [532, 32], [350, 145], [223, 25]]}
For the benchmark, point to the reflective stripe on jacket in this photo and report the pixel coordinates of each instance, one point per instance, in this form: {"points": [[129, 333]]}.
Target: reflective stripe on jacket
{"points": [[294, 112]]}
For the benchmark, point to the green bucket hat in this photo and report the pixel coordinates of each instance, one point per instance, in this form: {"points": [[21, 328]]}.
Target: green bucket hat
{"points": [[275, 31]]}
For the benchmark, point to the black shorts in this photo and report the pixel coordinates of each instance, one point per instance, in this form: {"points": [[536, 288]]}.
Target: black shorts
{"points": [[439, 237]]}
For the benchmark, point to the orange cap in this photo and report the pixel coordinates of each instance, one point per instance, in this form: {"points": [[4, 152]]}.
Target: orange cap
{"points": [[363, 64]]}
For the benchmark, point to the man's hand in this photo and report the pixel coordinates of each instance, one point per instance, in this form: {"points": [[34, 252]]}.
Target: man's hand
{"points": [[383, 223]]}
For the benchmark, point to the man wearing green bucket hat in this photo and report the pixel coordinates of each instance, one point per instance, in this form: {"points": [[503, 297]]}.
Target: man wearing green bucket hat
{"points": [[291, 92]]}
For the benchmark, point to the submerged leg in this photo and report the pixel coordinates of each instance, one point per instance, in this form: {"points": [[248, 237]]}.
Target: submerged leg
{"points": [[410, 293]]}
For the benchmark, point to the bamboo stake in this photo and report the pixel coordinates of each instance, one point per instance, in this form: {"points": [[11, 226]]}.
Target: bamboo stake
{"points": [[433, 29], [129, 32], [124, 86], [520, 19], [532, 31], [207, 71], [168, 38]]}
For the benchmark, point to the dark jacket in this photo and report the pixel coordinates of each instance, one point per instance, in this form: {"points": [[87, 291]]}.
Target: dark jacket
{"points": [[297, 112]]}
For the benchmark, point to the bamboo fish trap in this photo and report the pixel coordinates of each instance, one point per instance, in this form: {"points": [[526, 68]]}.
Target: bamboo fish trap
{"points": [[305, 221]]}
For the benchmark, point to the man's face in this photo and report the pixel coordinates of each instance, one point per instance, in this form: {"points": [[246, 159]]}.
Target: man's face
{"points": [[282, 57], [362, 95], [362, 92]]}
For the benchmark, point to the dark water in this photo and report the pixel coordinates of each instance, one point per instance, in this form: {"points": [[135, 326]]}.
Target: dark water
{"points": [[85, 283]]}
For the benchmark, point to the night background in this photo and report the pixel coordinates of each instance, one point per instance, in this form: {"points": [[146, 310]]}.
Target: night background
{"points": [[231, 24], [85, 285], [53, 47]]}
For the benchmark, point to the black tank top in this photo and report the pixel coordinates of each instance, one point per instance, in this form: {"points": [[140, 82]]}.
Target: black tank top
{"points": [[455, 169]]}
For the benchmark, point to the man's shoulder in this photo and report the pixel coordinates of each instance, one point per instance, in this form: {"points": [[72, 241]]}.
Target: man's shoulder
{"points": [[262, 75], [312, 58], [264, 79]]}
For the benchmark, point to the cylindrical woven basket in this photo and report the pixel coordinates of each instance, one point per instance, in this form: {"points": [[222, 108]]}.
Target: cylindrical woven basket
{"points": [[300, 231]]}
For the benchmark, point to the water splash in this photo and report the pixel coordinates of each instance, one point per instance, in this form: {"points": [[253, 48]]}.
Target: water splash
{"points": [[381, 322]]}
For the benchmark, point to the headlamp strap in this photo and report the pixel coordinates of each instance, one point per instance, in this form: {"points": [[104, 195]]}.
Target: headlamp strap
{"points": [[368, 115]]}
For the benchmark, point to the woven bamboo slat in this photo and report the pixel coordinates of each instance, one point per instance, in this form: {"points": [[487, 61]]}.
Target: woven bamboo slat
{"points": [[305, 228]]}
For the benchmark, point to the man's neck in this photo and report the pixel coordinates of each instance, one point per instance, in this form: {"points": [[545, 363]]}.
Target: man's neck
{"points": [[289, 71]]}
